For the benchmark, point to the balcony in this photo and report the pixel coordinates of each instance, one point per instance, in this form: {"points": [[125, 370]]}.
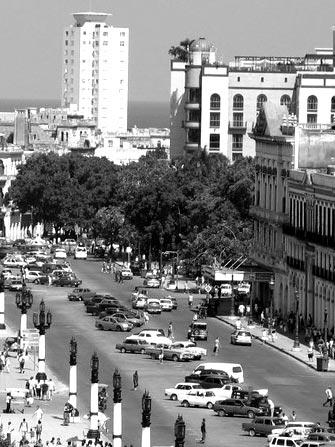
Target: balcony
{"points": [[268, 215], [192, 124], [295, 263], [237, 127], [309, 236], [191, 147], [323, 273], [192, 106]]}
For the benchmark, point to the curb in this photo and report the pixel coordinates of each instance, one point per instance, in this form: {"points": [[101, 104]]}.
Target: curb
{"points": [[277, 348]]}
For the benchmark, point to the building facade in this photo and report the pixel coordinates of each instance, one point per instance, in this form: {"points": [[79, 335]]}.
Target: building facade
{"points": [[95, 70]]}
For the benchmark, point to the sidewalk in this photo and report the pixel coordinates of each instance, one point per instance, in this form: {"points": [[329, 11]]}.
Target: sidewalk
{"points": [[52, 420], [281, 343]]}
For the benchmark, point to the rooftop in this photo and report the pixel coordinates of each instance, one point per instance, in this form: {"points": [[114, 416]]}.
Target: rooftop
{"points": [[82, 17]]}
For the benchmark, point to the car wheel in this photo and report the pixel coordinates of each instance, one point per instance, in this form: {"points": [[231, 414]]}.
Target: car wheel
{"points": [[209, 405], [37, 281], [251, 414], [252, 432], [185, 403], [142, 351], [100, 327], [221, 413], [118, 328], [175, 358], [173, 397], [123, 350]]}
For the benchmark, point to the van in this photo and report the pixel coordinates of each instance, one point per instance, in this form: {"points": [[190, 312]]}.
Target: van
{"points": [[234, 370]]}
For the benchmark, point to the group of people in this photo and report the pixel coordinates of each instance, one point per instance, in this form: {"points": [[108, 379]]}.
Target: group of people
{"points": [[40, 389]]}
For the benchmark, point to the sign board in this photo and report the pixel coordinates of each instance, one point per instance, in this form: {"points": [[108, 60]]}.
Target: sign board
{"points": [[30, 337], [208, 288]]}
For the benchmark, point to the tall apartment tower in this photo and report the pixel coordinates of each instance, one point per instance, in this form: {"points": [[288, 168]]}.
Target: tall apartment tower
{"points": [[95, 70]]}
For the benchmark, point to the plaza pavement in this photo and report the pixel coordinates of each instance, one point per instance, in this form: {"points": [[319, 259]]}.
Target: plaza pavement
{"points": [[52, 420]]}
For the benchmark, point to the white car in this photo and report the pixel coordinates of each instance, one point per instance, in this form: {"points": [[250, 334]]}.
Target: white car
{"points": [[166, 304], [191, 347], [126, 273], [241, 337], [32, 275], [299, 428], [226, 391], [30, 259], [60, 253], [151, 337], [80, 253], [226, 289], [200, 398], [151, 282], [140, 302], [181, 390], [285, 441], [14, 261]]}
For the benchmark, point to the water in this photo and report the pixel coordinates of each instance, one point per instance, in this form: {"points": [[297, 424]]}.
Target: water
{"points": [[141, 114]]}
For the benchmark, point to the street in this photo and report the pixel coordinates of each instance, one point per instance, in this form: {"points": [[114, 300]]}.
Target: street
{"points": [[291, 384]]}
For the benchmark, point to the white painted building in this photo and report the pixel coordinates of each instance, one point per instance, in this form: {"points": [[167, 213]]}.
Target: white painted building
{"points": [[95, 70]]}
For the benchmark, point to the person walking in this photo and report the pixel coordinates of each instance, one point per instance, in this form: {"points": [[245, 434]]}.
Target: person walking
{"points": [[329, 396], [23, 429], [310, 352], [21, 363], [293, 416], [135, 380], [284, 418], [170, 331], [8, 403], [272, 407], [216, 346], [38, 413], [203, 431], [39, 430], [190, 301]]}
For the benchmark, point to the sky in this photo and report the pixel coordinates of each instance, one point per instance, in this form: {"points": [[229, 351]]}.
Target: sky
{"points": [[31, 37]]}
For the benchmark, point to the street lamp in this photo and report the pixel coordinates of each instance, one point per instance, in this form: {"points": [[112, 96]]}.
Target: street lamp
{"points": [[296, 345], [73, 373], [232, 308], [42, 321], [161, 242], [93, 432], [271, 287], [24, 301], [325, 324], [179, 431], [117, 411]]}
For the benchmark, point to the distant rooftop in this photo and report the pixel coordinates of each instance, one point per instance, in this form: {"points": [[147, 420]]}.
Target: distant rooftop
{"points": [[82, 17]]}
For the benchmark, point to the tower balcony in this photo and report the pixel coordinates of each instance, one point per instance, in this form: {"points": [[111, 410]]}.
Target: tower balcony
{"points": [[237, 127], [191, 147], [192, 106], [192, 124]]}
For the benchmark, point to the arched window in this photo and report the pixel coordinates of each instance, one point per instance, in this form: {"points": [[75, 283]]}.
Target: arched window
{"points": [[312, 104], [285, 100], [332, 105], [215, 101], [238, 102], [260, 100]]}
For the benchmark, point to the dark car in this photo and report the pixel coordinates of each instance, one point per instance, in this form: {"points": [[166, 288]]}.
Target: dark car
{"points": [[263, 425], [236, 407], [214, 381], [205, 373], [67, 281], [262, 402], [130, 345], [92, 304], [79, 293]]}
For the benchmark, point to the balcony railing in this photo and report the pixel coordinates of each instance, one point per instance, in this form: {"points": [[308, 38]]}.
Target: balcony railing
{"points": [[309, 236], [295, 263], [237, 127]]}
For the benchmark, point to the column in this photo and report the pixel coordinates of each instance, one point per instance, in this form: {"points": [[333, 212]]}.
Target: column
{"points": [[2, 304], [73, 386], [117, 425], [94, 407], [41, 354]]}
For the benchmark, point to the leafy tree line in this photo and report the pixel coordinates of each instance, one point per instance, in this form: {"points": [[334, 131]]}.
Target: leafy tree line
{"points": [[198, 206]]}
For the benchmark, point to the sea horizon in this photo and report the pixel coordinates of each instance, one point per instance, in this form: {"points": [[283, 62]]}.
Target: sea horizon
{"points": [[140, 113]]}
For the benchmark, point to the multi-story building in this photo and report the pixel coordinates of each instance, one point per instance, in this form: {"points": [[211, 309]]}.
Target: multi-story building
{"points": [[214, 107], [95, 70]]}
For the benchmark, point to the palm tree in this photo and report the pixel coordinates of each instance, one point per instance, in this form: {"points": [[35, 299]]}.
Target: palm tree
{"points": [[182, 51]]}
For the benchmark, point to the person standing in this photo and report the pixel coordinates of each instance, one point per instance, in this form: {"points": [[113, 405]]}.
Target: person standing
{"points": [[135, 380], [203, 431], [310, 352], [190, 300], [271, 407], [170, 331], [23, 429], [216, 346], [39, 430], [329, 396], [293, 416], [21, 363], [8, 403], [38, 413], [284, 417], [9, 432]]}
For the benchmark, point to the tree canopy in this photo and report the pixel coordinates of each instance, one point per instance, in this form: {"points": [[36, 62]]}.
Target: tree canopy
{"points": [[197, 205]]}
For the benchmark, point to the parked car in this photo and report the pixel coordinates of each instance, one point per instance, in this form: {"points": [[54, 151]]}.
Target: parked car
{"points": [[151, 337], [139, 302], [14, 261], [175, 354], [226, 391], [180, 390], [301, 427], [60, 253], [236, 407], [113, 324], [174, 302], [151, 282], [198, 378], [321, 437], [132, 345], [166, 304], [36, 277], [196, 351], [262, 426], [200, 398], [171, 285], [262, 402], [241, 337], [80, 252], [15, 285], [153, 306], [199, 330], [80, 293], [135, 318], [284, 441], [67, 281], [126, 273]]}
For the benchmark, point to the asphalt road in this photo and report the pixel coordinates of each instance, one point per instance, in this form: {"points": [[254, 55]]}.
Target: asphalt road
{"points": [[291, 385]]}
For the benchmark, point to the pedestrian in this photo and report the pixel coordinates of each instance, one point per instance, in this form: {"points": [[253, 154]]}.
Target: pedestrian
{"points": [[161, 356], [189, 333], [329, 395], [284, 418], [135, 380], [170, 330], [241, 309], [8, 403], [203, 431], [190, 300], [9, 432], [146, 317], [216, 346], [38, 413], [44, 390], [21, 363], [293, 416], [264, 335], [23, 429], [310, 352], [51, 388], [38, 389], [271, 407], [32, 435], [39, 430]]}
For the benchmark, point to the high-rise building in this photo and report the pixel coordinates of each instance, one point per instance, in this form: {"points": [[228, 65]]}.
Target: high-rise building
{"points": [[95, 70]]}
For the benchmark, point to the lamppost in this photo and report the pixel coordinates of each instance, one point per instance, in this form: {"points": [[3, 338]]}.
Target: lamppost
{"points": [[24, 301], [161, 242], [270, 322], [42, 322], [117, 412], [251, 293], [325, 324], [93, 432], [174, 264], [232, 308], [179, 431], [2, 302], [73, 373], [296, 345], [146, 413]]}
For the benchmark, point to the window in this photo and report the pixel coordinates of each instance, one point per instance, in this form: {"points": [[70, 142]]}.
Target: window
{"points": [[262, 79], [238, 102], [238, 79], [215, 101], [332, 106], [312, 118], [260, 101], [285, 80], [214, 120], [66, 42], [122, 34], [121, 43], [280, 441], [214, 141], [105, 33], [105, 42], [237, 142], [237, 119], [285, 100], [312, 104]]}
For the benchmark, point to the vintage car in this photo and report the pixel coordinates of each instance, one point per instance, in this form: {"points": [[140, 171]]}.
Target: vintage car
{"points": [[169, 353]]}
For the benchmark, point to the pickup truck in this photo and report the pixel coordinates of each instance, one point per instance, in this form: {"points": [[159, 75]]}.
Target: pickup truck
{"points": [[262, 425], [169, 353]]}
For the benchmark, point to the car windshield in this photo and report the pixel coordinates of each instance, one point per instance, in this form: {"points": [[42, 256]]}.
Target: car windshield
{"points": [[278, 422]]}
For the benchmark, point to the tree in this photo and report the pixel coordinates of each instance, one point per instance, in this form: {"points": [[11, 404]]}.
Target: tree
{"points": [[181, 51]]}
